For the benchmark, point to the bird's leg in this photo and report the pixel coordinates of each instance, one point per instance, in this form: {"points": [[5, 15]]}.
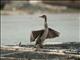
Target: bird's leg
{"points": [[41, 45], [37, 47], [38, 44]]}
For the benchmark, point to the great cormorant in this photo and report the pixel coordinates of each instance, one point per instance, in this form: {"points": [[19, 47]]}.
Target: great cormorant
{"points": [[43, 34]]}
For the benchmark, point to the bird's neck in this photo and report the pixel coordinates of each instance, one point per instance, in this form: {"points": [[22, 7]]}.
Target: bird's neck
{"points": [[45, 23]]}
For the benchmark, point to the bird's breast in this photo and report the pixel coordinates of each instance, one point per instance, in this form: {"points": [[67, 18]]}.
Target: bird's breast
{"points": [[43, 37]]}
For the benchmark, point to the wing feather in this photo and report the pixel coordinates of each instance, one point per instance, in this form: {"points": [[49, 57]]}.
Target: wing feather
{"points": [[51, 34], [35, 34]]}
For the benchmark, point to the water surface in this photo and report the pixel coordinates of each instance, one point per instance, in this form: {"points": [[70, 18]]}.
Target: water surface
{"points": [[16, 28]]}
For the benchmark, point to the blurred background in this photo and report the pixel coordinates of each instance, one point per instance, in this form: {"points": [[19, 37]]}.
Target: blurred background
{"points": [[36, 6], [20, 17]]}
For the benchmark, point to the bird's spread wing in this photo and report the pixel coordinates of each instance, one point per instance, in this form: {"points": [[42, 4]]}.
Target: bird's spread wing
{"points": [[51, 34], [35, 34]]}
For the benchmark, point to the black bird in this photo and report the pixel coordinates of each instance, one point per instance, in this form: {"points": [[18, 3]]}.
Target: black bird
{"points": [[43, 34]]}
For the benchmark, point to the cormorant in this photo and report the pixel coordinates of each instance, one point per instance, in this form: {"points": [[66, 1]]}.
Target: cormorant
{"points": [[43, 34]]}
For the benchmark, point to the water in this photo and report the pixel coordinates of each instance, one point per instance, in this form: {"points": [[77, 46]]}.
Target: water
{"points": [[16, 28]]}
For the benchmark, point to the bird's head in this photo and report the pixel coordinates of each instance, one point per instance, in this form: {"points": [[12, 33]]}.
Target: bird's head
{"points": [[43, 16]]}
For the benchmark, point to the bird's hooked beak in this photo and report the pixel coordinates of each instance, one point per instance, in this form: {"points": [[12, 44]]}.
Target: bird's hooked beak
{"points": [[43, 16]]}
